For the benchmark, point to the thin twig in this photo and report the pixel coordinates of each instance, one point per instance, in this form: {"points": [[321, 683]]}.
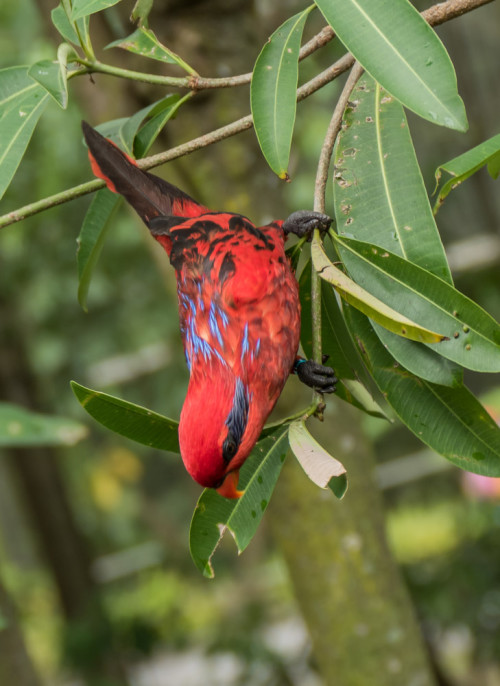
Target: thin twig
{"points": [[179, 151], [435, 15], [319, 200]]}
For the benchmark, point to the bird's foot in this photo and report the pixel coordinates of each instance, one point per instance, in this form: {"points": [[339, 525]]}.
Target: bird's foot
{"points": [[316, 375], [303, 223]]}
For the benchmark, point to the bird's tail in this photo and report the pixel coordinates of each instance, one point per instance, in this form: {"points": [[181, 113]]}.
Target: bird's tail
{"points": [[149, 195]]}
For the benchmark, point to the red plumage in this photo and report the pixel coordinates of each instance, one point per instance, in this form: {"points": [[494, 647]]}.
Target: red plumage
{"points": [[239, 314]]}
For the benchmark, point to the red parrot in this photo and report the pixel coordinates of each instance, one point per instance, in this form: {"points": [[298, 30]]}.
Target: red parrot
{"points": [[239, 313]]}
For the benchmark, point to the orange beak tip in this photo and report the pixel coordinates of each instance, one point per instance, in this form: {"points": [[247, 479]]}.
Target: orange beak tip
{"points": [[229, 487]]}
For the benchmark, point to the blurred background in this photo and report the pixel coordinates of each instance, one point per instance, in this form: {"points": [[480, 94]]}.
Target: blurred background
{"points": [[96, 581]]}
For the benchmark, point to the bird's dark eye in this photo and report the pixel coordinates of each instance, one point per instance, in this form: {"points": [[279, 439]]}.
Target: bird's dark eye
{"points": [[229, 448]]}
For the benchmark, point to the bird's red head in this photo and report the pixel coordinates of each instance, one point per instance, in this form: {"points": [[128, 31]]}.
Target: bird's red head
{"points": [[214, 432]]}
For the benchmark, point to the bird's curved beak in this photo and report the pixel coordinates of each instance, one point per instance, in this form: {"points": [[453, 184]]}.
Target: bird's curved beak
{"points": [[229, 488]]}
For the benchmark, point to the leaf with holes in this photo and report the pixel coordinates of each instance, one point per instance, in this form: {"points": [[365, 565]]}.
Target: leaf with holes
{"points": [[395, 44], [354, 294], [214, 515], [472, 335], [451, 421]]}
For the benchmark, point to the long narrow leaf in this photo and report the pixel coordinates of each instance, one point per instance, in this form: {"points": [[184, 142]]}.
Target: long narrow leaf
{"points": [[379, 192], [449, 420], [214, 515], [403, 53], [127, 419], [354, 294], [22, 102], [273, 92], [473, 336]]}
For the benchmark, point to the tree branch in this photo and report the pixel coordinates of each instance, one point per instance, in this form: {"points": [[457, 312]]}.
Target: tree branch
{"points": [[319, 200], [435, 15]]}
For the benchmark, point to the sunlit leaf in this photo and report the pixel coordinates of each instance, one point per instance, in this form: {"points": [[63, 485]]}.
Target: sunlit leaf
{"points": [[449, 420], [214, 515], [367, 303], [273, 92], [473, 336], [82, 8], [463, 166], [127, 419], [21, 428], [22, 102], [401, 51], [323, 469], [144, 42]]}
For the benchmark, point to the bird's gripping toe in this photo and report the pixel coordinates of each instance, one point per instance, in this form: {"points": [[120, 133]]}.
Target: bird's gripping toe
{"points": [[316, 375], [303, 223]]}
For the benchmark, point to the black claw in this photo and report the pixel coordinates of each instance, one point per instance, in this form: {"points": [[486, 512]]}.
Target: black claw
{"points": [[303, 223], [316, 376]]}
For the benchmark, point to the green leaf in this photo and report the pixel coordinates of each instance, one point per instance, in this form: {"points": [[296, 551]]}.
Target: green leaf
{"points": [[380, 197], [367, 303], [473, 335], [337, 343], [127, 419], [20, 428], [273, 92], [82, 8], [144, 42], [214, 515], [141, 11], [65, 27], [379, 193], [90, 241], [160, 114], [463, 166], [449, 420], [22, 102], [395, 44], [53, 76], [420, 359], [323, 469]]}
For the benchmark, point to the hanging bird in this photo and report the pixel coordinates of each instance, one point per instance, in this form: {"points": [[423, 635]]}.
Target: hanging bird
{"points": [[239, 313]]}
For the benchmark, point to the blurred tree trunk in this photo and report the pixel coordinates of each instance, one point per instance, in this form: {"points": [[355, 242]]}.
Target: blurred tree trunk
{"points": [[16, 667], [61, 543], [348, 586]]}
